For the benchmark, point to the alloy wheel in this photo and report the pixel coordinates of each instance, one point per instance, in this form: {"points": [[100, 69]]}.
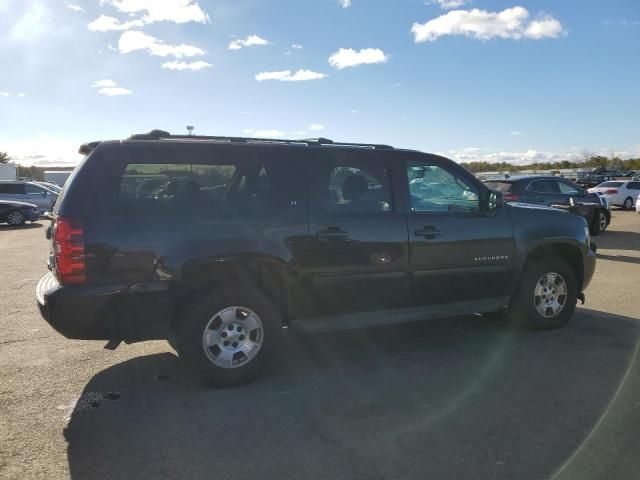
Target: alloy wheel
{"points": [[550, 295]]}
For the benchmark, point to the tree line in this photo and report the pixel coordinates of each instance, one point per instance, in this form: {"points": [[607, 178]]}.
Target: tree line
{"points": [[590, 161]]}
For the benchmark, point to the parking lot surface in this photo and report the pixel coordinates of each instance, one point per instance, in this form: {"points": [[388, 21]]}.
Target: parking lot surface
{"points": [[459, 398]]}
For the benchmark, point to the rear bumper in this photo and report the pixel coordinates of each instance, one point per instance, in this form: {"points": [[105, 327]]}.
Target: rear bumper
{"points": [[106, 312]]}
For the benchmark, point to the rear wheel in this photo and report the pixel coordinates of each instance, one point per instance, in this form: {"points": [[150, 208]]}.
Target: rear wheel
{"points": [[599, 223], [15, 218], [226, 338], [546, 295], [628, 203]]}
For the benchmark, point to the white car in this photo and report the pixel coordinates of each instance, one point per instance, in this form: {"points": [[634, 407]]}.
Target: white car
{"points": [[623, 193], [638, 205]]}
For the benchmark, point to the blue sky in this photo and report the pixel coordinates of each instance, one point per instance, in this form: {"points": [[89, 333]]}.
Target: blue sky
{"points": [[512, 80]]}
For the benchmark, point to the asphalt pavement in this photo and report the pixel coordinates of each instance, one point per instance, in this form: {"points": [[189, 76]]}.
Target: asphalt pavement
{"points": [[462, 398]]}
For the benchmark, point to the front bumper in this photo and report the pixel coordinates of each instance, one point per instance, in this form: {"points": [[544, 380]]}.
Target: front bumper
{"points": [[106, 312], [589, 267]]}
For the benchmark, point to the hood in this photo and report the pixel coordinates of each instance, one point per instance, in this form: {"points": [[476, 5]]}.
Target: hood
{"points": [[18, 204]]}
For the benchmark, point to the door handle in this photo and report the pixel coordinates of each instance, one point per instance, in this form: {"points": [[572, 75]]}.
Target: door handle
{"points": [[332, 233], [428, 232]]}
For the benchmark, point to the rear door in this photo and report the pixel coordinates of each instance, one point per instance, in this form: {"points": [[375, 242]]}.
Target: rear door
{"points": [[356, 257], [458, 252]]}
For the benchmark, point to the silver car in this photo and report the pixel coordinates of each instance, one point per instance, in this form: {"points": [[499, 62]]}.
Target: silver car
{"points": [[28, 192]]}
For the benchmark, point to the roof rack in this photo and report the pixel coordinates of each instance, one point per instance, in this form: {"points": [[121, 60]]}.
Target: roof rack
{"points": [[163, 135]]}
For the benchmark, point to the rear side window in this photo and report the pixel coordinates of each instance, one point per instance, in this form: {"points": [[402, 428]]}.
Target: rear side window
{"points": [[503, 187], [568, 188], [543, 186], [633, 185], [12, 188], [177, 181], [352, 184]]}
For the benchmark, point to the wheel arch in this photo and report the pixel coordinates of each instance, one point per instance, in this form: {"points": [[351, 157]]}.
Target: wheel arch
{"points": [[268, 274], [566, 251]]}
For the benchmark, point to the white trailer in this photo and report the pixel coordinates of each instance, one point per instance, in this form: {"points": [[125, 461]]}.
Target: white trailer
{"points": [[56, 176], [8, 172]]}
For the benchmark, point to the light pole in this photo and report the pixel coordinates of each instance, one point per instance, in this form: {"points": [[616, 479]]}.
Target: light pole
{"points": [[190, 130]]}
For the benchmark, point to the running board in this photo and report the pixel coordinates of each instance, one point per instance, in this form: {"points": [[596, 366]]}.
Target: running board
{"points": [[391, 317]]}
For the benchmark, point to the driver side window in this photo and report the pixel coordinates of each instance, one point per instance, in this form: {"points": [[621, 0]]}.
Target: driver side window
{"points": [[434, 189]]}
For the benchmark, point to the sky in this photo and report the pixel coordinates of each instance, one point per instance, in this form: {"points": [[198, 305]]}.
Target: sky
{"points": [[494, 80]]}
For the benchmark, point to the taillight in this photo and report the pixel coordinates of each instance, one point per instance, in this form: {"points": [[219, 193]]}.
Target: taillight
{"points": [[509, 197], [611, 192], [69, 250]]}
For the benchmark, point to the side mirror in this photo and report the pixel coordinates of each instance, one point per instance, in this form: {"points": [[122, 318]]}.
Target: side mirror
{"points": [[494, 200]]}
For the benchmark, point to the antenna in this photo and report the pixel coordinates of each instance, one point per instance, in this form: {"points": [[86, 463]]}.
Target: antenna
{"points": [[190, 130]]}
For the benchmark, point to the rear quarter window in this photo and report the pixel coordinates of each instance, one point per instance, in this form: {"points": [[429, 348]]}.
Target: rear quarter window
{"points": [[610, 184]]}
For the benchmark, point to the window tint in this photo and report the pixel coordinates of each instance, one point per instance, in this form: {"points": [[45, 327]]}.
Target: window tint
{"points": [[567, 188], [543, 186], [353, 187], [434, 189], [633, 185], [499, 186], [12, 188], [610, 184]]}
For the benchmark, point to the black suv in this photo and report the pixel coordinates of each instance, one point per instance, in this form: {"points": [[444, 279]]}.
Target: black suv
{"points": [[220, 244], [547, 190]]}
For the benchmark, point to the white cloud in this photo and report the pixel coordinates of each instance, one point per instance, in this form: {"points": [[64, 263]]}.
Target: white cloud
{"points": [[298, 133], [510, 23], [114, 91], [176, 65], [177, 11], [297, 46], [106, 83], [348, 57], [272, 133], [105, 23], [517, 158], [515, 133], [5, 94], [73, 7], [449, 4], [21, 95], [250, 41], [132, 40], [345, 3], [287, 76], [317, 127], [109, 87]]}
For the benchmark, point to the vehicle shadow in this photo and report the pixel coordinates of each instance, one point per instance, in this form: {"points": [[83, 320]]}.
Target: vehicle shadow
{"points": [[619, 258], [439, 399], [617, 240], [26, 226]]}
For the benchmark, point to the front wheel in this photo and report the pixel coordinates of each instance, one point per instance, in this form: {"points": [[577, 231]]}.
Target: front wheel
{"points": [[628, 203], [546, 295], [599, 223], [224, 338]]}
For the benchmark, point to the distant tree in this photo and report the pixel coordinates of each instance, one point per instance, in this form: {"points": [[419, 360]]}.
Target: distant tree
{"points": [[4, 157]]}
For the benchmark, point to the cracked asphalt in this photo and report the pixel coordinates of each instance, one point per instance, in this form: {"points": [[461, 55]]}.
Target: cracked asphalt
{"points": [[459, 398]]}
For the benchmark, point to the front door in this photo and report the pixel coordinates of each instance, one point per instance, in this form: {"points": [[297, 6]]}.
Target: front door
{"points": [[356, 257], [459, 251]]}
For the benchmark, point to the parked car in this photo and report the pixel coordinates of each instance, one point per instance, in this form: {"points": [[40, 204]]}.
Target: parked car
{"points": [[550, 191], [17, 213], [308, 234], [638, 205], [620, 193], [28, 192]]}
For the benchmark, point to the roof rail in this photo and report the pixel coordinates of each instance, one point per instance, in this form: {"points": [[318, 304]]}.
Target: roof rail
{"points": [[164, 135]]}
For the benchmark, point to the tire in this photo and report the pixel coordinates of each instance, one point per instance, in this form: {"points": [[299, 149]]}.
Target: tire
{"points": [[16, 218], [628, 203], [527, 303], [241, 330], [599, 223]]}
